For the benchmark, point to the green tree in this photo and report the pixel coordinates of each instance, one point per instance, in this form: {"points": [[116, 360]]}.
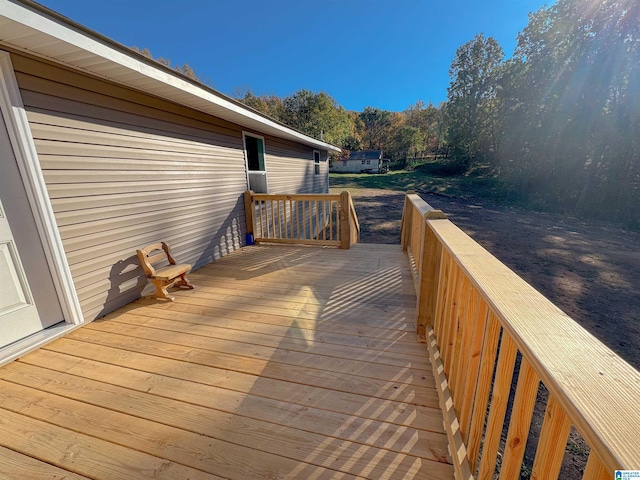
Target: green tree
{"points": [[472, 107], [318, 115], [376, 125], [571, 108]]}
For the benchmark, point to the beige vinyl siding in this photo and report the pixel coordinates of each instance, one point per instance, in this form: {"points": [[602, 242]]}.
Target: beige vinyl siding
{"points": [[123, 170], [290, 168]]}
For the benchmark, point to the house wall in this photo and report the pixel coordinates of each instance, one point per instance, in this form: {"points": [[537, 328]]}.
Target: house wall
{"points": [[286, 174], [124, 169], [354, 166]]}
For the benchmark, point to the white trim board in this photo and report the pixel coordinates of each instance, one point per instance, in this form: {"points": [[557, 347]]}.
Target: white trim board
{"points": [[17, 124]]}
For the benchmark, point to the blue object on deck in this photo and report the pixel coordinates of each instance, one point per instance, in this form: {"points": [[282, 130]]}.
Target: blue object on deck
{"points": [[249, 239]]}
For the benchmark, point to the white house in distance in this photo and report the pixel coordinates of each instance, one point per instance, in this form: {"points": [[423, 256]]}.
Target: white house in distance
{"points": [[366, 161]]}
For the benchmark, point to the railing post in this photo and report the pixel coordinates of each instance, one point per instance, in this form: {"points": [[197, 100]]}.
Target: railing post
{"points": [[249, 214], [429, 274], [405, 225], [345, 222]]}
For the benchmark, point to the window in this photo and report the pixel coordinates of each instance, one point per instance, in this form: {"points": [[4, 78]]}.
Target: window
{"points": [[256, 168], [368, 162], [362, 162], [316, 162]]}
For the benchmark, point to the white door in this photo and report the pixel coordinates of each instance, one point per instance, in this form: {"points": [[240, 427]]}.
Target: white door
{"points": [[18, 313]]}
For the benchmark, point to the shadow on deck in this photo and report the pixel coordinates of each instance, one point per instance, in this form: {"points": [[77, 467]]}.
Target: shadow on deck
{"points": [[284, 362]]}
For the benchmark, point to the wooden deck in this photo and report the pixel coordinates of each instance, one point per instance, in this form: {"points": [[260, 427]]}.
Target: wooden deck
{"points": [[284, 362]]}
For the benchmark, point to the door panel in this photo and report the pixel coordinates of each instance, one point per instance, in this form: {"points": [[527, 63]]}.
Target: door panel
{"points": [[18, 313], [28, 300]]}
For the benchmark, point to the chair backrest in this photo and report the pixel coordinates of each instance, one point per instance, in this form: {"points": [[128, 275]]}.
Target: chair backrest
{"points": [[154, 253]]}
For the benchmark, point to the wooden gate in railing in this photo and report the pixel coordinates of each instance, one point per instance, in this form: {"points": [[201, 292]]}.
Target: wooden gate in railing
{"points": [[307, 219], [484, 326]]}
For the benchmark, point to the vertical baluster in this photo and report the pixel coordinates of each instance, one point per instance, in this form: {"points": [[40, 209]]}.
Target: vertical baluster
{"points": [[520, 422], [553, 441], [595, 470], [290, 220], [461, 343], [455, 329], [317, 232], [261, 214], [471, 372], [297, 224], [483, 388], [324, 220], [499, 399], [449, 312], [443, 281]]}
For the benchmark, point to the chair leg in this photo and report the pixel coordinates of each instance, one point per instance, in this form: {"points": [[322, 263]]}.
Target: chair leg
{"points": [[184, 282], [161, 291]]}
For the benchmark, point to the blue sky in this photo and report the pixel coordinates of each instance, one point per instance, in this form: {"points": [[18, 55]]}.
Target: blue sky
{"points": [[380, 53]]}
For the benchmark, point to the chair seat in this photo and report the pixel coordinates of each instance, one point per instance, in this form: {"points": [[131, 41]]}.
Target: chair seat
{"points": [[171, 271]]}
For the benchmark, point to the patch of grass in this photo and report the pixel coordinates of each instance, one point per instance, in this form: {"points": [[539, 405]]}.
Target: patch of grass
{"points": [[430, 177]]}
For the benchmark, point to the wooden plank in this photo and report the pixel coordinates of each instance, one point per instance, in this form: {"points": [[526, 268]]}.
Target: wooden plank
{"points": [[17, 465], [553, 441], [499, 400], [296, 332], [85, 455], [385, 361], [345, 405], [253, 356], [223, 402], [291, 241], [250, 449], [390, 390], [298, 196], [522, 412], [320, 328], [348, 305], [296, 293], [398, 321]]}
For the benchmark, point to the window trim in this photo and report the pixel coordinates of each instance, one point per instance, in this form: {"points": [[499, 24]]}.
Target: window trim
{"points": [[316, 162], [246, 134]]}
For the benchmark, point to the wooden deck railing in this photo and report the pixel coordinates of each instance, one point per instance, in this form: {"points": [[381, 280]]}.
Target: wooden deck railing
{"points": [[308, 219], [484, 325]]}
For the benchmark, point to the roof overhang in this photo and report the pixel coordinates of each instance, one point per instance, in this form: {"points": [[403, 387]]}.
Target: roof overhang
{"points": [[32, 28]]}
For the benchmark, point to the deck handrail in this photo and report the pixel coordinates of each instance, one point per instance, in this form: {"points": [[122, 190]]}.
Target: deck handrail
{"points": [[303, 219], [478, 318]]}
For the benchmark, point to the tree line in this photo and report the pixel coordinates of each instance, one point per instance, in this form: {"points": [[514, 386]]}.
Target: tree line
{"points": [[402, 136], [560, 120]]}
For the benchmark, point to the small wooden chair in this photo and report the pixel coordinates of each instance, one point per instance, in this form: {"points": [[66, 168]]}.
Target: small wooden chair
{"points": [[167, 276]]}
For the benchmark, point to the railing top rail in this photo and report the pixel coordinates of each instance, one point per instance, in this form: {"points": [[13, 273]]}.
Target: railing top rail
{"points": [[599, 391], [296, 196], [425, 210]]}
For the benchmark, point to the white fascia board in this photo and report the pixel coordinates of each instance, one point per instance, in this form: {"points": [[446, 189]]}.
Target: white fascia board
{"points": [[214, 103]]}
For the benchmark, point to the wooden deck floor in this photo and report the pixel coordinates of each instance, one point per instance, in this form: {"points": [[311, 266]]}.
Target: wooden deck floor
{"points": [[284, 362]]}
